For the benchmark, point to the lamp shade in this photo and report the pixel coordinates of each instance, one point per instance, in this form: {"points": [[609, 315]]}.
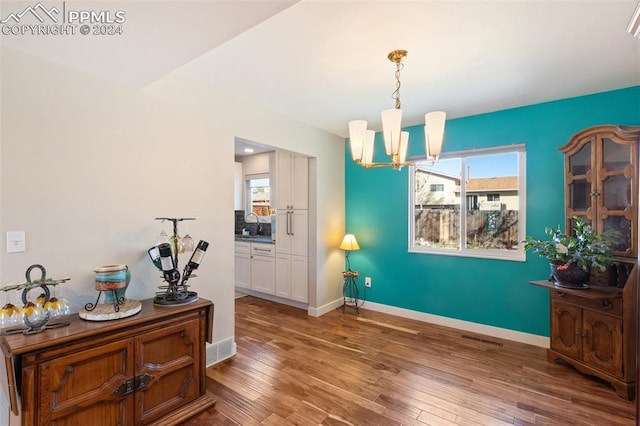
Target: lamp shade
{"points": [[434, 133], [404, 145], [367, 149], [634, 24], [391, 128], [357, 133], [349, 243]]}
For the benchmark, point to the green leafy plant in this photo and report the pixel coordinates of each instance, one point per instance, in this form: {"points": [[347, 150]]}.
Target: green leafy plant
{"points": [[583, 247]]}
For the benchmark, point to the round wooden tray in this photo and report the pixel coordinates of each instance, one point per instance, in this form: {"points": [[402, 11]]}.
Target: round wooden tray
{"points": [[106, 312]]}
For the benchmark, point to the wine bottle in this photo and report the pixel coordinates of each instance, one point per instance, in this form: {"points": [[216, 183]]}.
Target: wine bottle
{"points": [[171, 274], [196, 259], [154, 254]]}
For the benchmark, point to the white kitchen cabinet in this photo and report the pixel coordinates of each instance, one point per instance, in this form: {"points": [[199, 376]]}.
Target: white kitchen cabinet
{"points": [[292, 232], [243, 265], [292, 239], [291, 189], [300, 278], [263, 268], [292, 280], [283, 275]]}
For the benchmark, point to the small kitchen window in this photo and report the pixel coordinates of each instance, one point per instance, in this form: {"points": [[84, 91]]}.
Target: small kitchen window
{"points": [[259, 195]]}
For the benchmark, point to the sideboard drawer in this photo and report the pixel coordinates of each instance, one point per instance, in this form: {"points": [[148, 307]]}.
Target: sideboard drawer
{"points": [[610, 305]]}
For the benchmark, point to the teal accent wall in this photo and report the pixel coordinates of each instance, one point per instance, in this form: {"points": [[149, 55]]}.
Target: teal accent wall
{"points": [[490, 292]]}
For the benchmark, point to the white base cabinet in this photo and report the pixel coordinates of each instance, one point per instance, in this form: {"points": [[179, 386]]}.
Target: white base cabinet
{"points": [[243, 265], [255, 266], [292, 281], [292, 265], [263, 268]]}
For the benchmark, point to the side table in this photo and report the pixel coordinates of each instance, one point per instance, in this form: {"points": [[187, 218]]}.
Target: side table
{"points": [[350, 290]]}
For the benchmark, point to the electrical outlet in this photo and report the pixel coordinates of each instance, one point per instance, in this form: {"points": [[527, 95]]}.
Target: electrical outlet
{"points": [[367, 281]]}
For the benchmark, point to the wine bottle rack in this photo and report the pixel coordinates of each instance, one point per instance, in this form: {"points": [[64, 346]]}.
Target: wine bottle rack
{"points": [[175, 291]]}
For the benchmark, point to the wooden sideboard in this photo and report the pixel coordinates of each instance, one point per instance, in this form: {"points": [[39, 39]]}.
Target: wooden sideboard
{"points": [[594, 330], [145, 369]]}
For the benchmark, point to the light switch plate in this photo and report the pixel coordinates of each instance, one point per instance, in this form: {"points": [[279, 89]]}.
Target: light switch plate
{"points": [[16, 242]]}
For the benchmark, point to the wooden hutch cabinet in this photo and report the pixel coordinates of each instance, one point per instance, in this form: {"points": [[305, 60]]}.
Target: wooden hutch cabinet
{"points": [[594, 328], [145, 369], [601, 177]]}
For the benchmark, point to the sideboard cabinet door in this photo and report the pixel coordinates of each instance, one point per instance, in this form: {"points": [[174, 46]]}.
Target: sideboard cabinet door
{"points": [[78, 388], [168, 369]]}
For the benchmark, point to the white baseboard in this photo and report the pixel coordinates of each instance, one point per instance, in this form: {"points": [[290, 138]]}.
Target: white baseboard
{"points": [[321, 310], [272, 298], [487, 330]]}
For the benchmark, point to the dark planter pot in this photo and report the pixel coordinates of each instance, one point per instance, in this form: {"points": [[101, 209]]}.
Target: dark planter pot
{"points": [[571, 276]]}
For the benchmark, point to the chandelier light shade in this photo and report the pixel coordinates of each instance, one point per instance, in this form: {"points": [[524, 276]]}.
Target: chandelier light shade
{"points": [[634, 24], [434, 134], [396, 141], [357, 131]]}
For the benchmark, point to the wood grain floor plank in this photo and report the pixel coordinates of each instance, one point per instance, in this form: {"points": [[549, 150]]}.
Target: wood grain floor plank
{"points": [[378, 369]]}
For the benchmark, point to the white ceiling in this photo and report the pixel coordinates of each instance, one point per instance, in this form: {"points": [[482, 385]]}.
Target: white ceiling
{"points": [[325, 62]]}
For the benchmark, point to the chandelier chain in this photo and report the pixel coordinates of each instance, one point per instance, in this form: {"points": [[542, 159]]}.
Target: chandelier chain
{"points": [[396, 94]]}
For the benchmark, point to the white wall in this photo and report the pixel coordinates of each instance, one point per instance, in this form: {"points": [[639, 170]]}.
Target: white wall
{"points": [[86, 164]]}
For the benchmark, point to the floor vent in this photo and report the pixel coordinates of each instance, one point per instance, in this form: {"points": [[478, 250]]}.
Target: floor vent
{"points": [[478, 339], [220, 351]]}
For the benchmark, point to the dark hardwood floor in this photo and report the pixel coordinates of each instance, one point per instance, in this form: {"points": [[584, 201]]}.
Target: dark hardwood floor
{"points": [[378, 369]]}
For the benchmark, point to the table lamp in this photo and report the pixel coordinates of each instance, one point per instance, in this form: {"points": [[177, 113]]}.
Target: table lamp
{"points": [[348, 244]]}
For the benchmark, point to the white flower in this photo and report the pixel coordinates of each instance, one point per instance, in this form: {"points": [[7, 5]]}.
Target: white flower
{"points": [[561, 248]]}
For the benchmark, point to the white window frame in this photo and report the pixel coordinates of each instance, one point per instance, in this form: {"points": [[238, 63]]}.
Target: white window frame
{"points": [[248, 201], [513, 255]]}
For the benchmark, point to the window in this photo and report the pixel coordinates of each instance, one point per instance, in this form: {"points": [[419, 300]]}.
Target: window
{"points": [[258, 191], [472, 202], [469, 203]]}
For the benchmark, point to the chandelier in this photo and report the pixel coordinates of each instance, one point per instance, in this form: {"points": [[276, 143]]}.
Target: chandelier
{"points": [[395, 140]]}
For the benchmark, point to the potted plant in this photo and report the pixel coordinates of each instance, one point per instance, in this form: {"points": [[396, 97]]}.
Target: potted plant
{"points": [[571, 257]]}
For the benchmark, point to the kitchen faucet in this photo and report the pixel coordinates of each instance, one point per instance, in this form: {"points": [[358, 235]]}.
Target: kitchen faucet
{"points": [[257, 222], [251, 214]]}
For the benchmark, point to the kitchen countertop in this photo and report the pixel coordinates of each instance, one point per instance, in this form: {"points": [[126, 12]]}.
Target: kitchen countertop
{"points": [[254, 239]]}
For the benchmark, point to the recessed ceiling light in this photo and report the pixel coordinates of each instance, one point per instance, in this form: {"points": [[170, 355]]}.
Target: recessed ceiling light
{"points": [[248, 150]]}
